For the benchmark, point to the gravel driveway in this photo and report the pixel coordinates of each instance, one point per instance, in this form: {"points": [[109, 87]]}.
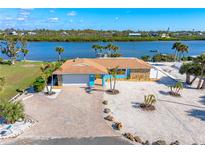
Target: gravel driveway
{"points": [[73, 114], [180, 119]]}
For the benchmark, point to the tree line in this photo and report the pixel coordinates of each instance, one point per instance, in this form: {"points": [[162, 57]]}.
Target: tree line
{"points": [[89, 35]]}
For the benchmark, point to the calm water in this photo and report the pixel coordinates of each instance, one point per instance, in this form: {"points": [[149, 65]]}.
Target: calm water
{"points": [[46, 50]]}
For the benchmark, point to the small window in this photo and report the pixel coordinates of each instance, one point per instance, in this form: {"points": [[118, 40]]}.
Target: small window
{"points": [[121, 71]]}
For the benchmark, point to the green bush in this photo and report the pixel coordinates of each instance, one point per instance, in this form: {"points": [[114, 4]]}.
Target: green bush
{"points": [[39, 84], [176, 89], [150, 99], [12, 111], [188, 58], [145, 58], [115, 55], [163, 58], [6, 62]]}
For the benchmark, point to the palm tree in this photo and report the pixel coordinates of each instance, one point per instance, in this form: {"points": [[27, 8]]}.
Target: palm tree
{"points": [[186, 69], [59, 50], [195, 71], [113, 72], [190, 69], [113, 50], [46, 72], [98, 50], [25, 52], [110, 72], [182, 48], [201, 61], [175, 47]]}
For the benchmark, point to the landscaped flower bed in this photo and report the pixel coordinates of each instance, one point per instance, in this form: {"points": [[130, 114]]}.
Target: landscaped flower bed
{"points": [[15, 129]]}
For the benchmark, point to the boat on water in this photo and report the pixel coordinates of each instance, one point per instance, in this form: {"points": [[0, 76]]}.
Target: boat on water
{"points": [[154, 51]]}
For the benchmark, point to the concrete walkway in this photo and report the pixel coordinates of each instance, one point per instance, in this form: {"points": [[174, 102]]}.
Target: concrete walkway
{"points": [[73, 114]]}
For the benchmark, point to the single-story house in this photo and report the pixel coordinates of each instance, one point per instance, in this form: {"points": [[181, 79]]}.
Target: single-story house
{"points": [[84, 71]]}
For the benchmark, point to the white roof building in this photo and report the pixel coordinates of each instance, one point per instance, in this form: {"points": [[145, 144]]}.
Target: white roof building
{"points": [[164, 35], [13, 33], [32, 33], [135, 34]]}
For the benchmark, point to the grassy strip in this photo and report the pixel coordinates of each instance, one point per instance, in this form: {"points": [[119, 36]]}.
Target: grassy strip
{"points": [[18, 76]]}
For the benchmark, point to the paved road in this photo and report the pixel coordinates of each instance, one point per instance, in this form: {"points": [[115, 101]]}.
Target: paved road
{"points": [[75, 141]]}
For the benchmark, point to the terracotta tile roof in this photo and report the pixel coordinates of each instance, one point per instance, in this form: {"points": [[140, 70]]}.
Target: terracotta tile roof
{"points": [[81, 66], [99, 65], [132, 63]]}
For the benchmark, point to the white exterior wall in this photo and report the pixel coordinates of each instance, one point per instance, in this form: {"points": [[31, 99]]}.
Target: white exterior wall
{"points": [[156, 74], [75, 79]]}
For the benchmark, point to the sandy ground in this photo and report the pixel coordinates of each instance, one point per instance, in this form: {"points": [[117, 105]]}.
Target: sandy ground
{"points": [[169, 67], [180, 119]]}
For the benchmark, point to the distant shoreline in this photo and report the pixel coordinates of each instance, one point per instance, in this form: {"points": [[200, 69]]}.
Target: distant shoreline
{"points": [[104, 39], [79, 41]]}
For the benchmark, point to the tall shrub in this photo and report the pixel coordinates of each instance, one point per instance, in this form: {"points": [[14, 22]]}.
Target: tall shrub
{"points": [[12, 111]]}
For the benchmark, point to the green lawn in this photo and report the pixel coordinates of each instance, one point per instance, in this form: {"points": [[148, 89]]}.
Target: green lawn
{"points": [[20, 75]]}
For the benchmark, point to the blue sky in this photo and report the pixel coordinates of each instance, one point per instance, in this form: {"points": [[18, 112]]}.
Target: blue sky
{"points": [[106, 19]]}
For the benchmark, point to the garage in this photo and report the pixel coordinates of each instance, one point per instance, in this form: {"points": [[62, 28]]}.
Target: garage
{"points": [[75, 79]]}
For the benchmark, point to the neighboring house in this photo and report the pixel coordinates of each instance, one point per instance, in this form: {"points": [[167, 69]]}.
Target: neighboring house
{"points": [[64, 33], [135, 34], [164, 35], [154, 34], [31, 33], [13, 33], [84, 71], [22, 34]]}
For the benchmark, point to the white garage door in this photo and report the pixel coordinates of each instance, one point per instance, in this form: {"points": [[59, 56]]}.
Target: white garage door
{"points": [[75, 79]]}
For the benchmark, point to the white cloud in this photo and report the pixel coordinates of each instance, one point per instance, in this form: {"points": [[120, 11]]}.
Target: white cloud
{"points": [[54, 19], [21, 19], [72, 13], [8, 18], [116, 18], [70, 20]]}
